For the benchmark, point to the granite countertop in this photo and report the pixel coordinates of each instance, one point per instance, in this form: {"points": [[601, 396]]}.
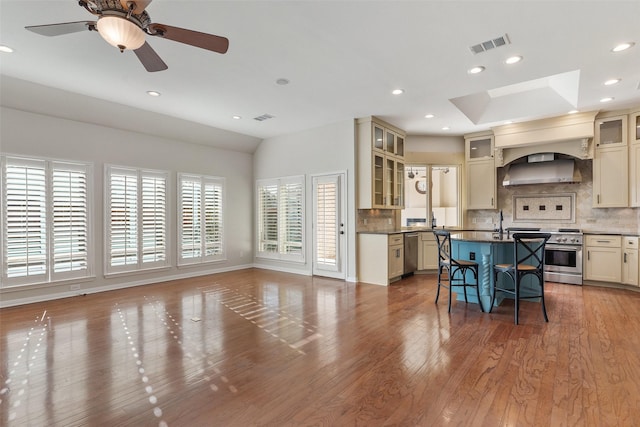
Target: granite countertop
{"points": [[417, 230], [612, 233]]}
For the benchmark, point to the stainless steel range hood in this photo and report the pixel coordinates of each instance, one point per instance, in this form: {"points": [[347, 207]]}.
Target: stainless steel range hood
{"points": [[542, 169]]}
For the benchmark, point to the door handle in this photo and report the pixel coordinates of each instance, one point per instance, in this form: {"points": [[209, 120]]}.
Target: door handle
{"points": [[625, 257]]}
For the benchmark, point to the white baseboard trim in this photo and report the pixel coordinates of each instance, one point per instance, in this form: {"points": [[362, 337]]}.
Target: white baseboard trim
{"points": [[67, 294], [282, 269]]}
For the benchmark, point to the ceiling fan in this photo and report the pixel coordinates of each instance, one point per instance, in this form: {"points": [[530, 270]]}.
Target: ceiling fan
{"points": [[124, 24]]}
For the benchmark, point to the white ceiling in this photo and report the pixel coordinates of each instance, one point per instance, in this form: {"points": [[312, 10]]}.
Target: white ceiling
{"points": [[342, 59]]}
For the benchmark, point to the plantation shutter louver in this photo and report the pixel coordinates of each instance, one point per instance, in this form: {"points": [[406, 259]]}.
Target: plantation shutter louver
{"points": [[291, 218], [154, 218], [70, 221], [25, 220], [281, 218], [268, 213], [45, 221], [123, 209], [137, 210], [201, 224]]}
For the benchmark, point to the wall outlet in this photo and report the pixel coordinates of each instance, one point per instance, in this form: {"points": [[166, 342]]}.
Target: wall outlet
{"points": [[487, 220], [472, 256], [390, 221], [74, 287], [364, 221], [475, 220]]}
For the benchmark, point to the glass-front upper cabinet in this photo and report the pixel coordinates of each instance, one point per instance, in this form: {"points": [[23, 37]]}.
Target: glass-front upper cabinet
{"points": [[480, 148], [634, 130], [378, 137], [611, 131], [399, 146]]}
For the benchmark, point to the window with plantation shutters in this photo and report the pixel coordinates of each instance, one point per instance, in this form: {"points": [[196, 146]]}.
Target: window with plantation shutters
{"points": [[137, 219], [281, 218], [200, 219], [45, 227]]}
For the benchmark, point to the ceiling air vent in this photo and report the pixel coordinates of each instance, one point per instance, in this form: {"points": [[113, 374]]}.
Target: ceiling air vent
{"points": [[490, 44], [263, 117]]}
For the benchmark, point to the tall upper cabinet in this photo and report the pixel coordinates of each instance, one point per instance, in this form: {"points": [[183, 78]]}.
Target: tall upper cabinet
{"points": [[480, 171], [380, 164], [634, 159], [610, 163]]}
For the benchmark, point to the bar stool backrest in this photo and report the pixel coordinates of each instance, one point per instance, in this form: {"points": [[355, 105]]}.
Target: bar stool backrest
{"points": [[529, 249], [443, 238]]}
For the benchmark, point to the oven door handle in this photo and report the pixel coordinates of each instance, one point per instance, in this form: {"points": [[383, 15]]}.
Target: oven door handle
{"points": [[565, 248]]}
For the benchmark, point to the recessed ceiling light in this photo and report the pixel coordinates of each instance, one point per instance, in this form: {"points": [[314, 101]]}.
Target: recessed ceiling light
{"points": [[237, 117], [475, 70], [513, 59], [153, 93], [622, 46], [572, 112], [611, 82], [282, 81], [446, 128], [5, 49], [607, 99], [429, 116], [397, 91], [508, 122]]}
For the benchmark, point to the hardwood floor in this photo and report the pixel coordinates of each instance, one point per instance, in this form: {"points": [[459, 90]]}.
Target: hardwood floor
{"points": [[257, 347]]}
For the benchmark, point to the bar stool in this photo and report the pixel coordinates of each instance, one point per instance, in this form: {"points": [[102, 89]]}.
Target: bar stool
{"points": [[528, 256], [456, 268]]}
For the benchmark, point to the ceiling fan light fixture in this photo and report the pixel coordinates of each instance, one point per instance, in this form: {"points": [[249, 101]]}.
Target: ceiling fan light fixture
{"points": [[120, 32]]}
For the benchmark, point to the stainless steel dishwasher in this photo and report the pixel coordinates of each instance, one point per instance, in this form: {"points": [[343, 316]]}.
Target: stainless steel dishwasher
{"points": [[410, 253]]}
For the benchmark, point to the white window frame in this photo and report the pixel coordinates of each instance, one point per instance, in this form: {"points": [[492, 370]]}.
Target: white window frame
{"points": [[81, 246], [282, 253], [161, 259], [203, 248]]}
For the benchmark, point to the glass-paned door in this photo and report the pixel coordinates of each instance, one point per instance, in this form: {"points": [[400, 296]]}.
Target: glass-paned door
{"points": [[328, 230]]}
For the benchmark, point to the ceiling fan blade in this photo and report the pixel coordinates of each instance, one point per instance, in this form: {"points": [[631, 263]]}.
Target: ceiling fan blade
{"points": [[62, 28], [194, 38], [149, 58]]}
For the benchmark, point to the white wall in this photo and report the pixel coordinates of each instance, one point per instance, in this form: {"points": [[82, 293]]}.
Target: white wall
{"points": [[327, 149], [29, 134]]}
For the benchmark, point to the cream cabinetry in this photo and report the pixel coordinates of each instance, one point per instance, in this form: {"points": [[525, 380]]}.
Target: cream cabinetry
{"points": [[634, 159], [380, 165], [603, 261], [427, 252], [610, 163], [380, 258], [480, 172], [396, 256], [630, 269]]}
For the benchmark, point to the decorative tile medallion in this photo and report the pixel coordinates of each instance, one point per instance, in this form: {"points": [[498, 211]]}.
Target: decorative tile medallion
{"points": [[543, 207]]}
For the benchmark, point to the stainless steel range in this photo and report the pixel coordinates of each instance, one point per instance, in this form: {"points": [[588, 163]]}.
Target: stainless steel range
{"points": [[562, 255]]}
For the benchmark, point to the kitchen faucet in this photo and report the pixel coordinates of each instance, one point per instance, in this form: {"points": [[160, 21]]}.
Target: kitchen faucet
{"points": [[500, 230]]}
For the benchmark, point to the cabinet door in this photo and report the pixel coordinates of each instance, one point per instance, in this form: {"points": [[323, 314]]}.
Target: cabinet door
{"points": [[604, 264], [481, 185], [610, 178], [634, 174], [390, 181], [378, 137], [611, 131], [630, 267], [399, 184], [429, 255], [479, 148], [396, 261], [390, 142], [378, 180]]}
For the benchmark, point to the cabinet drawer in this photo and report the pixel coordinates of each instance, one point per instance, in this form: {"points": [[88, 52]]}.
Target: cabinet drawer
{"points": [[629, 242], [605, 241], [428, 237], [396, 239]]}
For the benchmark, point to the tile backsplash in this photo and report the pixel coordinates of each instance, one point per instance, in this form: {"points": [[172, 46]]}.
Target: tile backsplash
{"points": [[618, 220]]}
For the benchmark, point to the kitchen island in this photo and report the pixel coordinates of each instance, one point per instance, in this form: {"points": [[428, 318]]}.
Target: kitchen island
{"points": [[487, 249]]}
